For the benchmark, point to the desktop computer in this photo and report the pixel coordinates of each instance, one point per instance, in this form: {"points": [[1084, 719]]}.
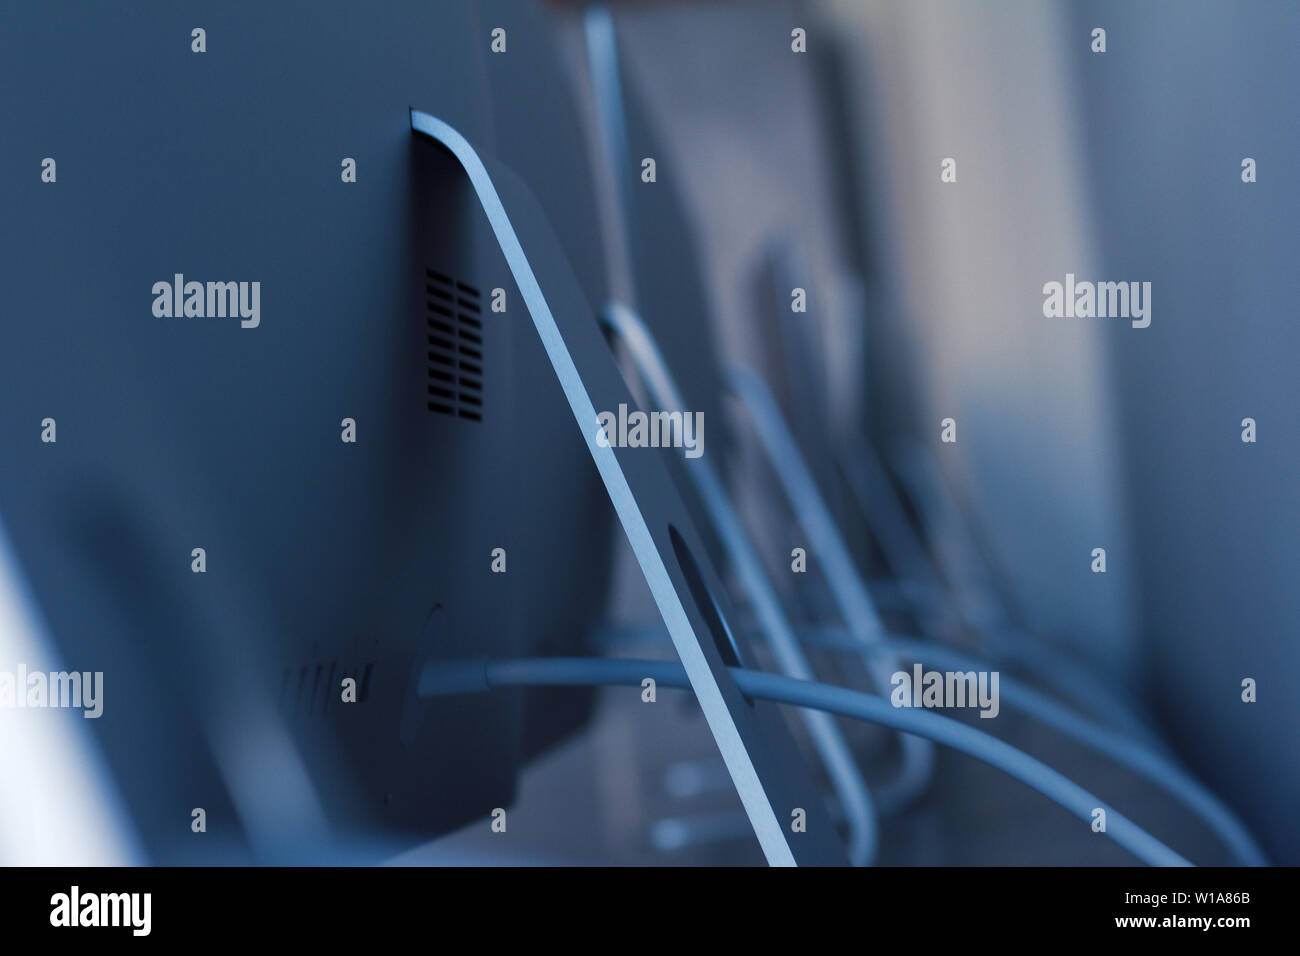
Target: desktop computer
{"points": [[307, 440]]}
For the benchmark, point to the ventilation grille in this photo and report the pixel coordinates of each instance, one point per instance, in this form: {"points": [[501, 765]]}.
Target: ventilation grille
{"points": [[317, 689], [455, 346]]}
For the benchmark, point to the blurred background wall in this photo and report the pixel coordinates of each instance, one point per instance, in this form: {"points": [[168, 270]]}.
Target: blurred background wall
{"points": [[1036, 450], [1186, 92], [1081, 433]]}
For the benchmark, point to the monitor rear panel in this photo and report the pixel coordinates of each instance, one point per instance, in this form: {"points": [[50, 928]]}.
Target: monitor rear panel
{"points": [[348, 451]]}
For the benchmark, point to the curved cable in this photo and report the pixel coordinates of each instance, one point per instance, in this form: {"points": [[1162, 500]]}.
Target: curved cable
{"points": [[882, 508], [1138, 757], [933, 497], [482, 675], [832, 749], [1151, 763], [856, 607]]}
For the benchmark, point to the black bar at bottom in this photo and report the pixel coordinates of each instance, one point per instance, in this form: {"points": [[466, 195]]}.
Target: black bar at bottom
{"points": [[484, 907]]}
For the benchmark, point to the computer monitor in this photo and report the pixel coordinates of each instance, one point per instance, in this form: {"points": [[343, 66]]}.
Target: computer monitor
{"points": [[283, 432], [290, 444]]}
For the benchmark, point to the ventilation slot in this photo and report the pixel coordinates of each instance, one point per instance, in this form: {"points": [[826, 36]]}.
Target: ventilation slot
{"points": [[314, 690], [454, 346]]}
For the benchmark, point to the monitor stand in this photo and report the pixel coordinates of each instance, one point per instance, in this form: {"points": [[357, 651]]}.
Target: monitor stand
{"points": [[770, 777]]}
